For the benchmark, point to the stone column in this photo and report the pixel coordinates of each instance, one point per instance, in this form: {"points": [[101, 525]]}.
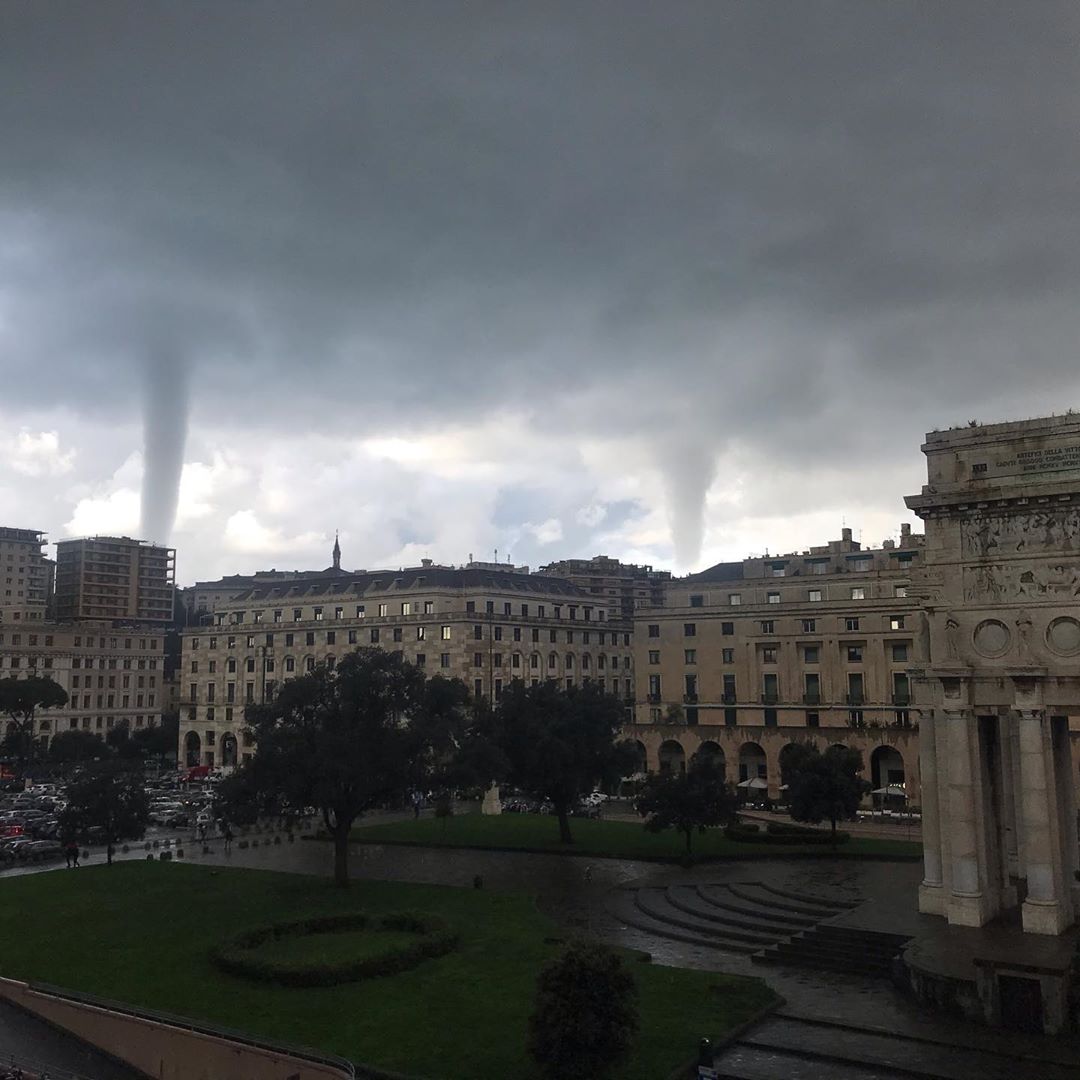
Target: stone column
{"points": [[1042, 911], [967, 901], [931, 897]]}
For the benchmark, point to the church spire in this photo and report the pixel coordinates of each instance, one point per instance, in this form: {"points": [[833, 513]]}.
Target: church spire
{"points": [[337, 552]]}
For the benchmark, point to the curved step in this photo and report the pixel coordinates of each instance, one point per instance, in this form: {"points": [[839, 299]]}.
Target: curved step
{"points": [[805, 898], [792, 922], [680, 901], [642, 902], [810, 913], [639, 921]]}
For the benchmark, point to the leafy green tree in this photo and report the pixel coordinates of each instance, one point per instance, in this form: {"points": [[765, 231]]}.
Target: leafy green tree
{"points": [[687, 802], [20, 699], [348, 740], [585, 1018], [826, 786], [109, 795], [558, 744], [73, 747], [793, 758]]}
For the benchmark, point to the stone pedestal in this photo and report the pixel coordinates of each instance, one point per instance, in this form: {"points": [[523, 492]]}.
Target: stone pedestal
{"points": [[492, 804]]}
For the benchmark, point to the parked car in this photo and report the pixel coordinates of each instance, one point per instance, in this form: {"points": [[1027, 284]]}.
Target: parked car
{"points": [[40, 850]]}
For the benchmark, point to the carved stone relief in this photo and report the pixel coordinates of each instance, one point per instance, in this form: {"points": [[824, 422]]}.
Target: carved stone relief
{"points": [[1000, 535], [1002, 582]]}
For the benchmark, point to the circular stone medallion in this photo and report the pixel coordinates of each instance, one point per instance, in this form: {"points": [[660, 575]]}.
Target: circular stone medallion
{"points": [[991, 638], [1063, 636]]}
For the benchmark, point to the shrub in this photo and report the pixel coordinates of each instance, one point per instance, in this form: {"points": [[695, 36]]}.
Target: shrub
{"points": [[803, 837], [586, 1014], [239, 956], [165, 856]]}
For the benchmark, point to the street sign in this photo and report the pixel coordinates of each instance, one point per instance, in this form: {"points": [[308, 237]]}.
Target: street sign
{"points": [[705, 1073]]}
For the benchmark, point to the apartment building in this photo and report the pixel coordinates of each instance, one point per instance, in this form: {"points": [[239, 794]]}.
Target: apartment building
{"points": [[115, 579], [623, 587], [111, 676], [25, 576], [485, 626], [748, 656]]}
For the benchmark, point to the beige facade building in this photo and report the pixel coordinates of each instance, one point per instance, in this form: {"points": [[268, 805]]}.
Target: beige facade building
{"points": [[25, 576], [112, 676], [114, 579], [997, 675], [624, 587], [484, 626], [749, 656]]}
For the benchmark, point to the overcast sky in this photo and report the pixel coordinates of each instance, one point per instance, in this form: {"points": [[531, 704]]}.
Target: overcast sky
{"points": [[672, 281]]}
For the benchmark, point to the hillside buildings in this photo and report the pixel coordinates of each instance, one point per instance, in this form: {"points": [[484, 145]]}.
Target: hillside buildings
{"points": [[25, 576], [624, 587]]}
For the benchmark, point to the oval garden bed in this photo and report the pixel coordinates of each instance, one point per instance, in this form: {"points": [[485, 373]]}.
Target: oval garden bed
{"points": [[331, 949]]}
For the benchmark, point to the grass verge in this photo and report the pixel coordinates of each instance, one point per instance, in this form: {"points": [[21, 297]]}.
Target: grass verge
{"points": [[606, 839], [141, 933]]}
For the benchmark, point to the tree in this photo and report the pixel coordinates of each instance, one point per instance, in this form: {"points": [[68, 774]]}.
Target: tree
{"points": [[20, 700], [558, 744], [347, 740], [687, 801], [826, 786], [586, 1014], [73, 747], [108, 796], [793, 758]]}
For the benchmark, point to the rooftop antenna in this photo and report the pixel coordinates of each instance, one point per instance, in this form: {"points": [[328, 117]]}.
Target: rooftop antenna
{"points": [[496, 554]]}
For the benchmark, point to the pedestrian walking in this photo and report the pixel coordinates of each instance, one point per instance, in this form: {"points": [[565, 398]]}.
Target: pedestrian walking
{"points": [[417, 801], [71, 854], [227, 833]]}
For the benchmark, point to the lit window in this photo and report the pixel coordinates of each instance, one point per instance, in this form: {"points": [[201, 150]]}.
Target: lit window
{"points": [[858, 592], [773, 598], [734, 599]]}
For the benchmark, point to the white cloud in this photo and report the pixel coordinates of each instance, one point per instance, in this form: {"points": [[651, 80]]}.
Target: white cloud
{"points": [[39, 454], [547, 532], [591, 515], [244, 533], [113, 514]]}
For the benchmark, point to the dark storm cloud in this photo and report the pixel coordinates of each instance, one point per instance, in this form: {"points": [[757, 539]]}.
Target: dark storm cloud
{"points": [[777, 225]]}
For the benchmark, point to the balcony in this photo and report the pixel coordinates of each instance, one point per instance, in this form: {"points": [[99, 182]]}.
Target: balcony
{"points": [[689, 699], [902, 700], [812, 697]]}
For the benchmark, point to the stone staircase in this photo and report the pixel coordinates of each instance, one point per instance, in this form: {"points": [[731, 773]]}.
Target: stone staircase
{"points": [[837, 948], [742, 917]]}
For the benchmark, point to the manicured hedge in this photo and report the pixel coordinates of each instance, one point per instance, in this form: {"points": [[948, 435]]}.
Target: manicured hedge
{"points": [[239, 956], [783, 834]]}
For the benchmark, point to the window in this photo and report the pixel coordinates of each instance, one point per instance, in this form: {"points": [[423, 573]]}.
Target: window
{"points": [[770, 718], [654, 687], [496, 659], [819, 567], [727, 656], [297, 614], [896, 622], [900, 653], [470, 605], [289, 638], [851, 624], [489, 607], [277, 616], [654, 629], [654, 656], [478, 633], [811, 654], [444, 633], [899, 590], [569, 637], [498, 633], [689, 629], [374, 635], [734, 599], [397, 633], [352, 637], [339, 613], [406, 607], [331, 637], [731, 717], [384, 610], [697, 601], [809, 626], [854, 654], [309, 638], [813, 719], [858, 592], [815, 596], [690, 656], [769, 654], [773, 597], [768, 626], [359, 611], [727, 629], [421, 633], [429, 607], [318, 614], [444, 660], [478, 659]]}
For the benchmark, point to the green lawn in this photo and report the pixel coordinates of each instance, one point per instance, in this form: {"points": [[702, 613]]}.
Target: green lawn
{"points": [[602, 839], [141, 932]]}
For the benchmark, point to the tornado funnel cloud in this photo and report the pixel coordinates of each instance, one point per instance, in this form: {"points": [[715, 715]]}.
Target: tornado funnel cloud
{"points": [[165, 420], [688, 469]]}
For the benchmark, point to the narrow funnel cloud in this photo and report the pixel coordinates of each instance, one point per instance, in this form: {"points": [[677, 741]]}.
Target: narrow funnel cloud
{"points": [[689, 469], [165, 419]]}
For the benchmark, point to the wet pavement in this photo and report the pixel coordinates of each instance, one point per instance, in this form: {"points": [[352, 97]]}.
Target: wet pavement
{"points": [[832, 1024]]}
